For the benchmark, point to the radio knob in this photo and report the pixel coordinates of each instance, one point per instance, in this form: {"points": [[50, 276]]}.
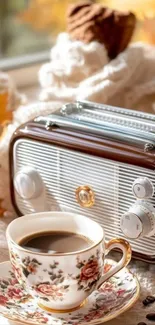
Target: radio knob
{"points": [[143, 188], [28, 183], [139, 221]]}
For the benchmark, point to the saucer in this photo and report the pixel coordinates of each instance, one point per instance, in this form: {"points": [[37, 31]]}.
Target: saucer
{"points": [[113, 298]]}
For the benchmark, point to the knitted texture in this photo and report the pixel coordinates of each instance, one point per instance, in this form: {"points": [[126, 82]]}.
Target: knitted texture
{"points": [[71, 63], [83, 71]]}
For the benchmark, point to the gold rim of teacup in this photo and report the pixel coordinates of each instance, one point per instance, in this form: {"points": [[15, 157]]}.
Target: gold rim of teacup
{"points": [[54, 254]]}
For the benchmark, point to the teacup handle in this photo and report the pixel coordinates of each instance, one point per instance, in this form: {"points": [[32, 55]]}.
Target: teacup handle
{"points": [[125, 248]]}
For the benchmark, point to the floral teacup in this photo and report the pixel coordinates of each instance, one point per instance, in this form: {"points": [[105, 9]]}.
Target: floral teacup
{"points": [[62, 281]]}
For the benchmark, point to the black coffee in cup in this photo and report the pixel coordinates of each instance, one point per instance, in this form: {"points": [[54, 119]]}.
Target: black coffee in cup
{"points": [[55, 241]]}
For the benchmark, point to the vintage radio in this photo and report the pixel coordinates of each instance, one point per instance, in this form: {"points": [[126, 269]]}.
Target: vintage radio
{"points": [[96, 160]]}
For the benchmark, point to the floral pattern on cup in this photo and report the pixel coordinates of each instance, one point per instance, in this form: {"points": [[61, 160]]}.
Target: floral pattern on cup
{"points": [[113, 296], [55, 289], [89, 272], [30, 266], [15, 262], [48, 290]]}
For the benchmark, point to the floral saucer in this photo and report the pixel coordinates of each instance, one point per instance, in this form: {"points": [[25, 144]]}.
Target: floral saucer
{"points": [[113, 298]]}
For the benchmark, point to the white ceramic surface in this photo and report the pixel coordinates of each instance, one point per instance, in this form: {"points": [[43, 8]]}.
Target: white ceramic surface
{"points": [[113, 298], [62, 281]]}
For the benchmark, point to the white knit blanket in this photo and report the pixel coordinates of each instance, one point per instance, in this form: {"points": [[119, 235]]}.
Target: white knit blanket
{"points": [[83, 71]]}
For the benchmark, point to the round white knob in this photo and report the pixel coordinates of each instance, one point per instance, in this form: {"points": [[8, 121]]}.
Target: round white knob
{"points": [[143, 188], [139, 221], [28, 183]]}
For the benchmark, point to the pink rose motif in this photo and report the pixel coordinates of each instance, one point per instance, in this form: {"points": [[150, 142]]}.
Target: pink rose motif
{"points": [[17, 271], [3, 300], [15, 293], [49, 290], [89, 271], [93, 315], [107, 287], [30, 266], [120, 292], [40, 317], [13, 281], [43, 320]]}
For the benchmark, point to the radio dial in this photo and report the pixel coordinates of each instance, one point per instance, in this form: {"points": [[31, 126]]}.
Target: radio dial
{"points": [[139, 221], [28, 183], [143, 188]]}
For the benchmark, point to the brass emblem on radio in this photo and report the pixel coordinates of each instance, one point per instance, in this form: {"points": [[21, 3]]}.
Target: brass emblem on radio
{"points": [[85, 196]]}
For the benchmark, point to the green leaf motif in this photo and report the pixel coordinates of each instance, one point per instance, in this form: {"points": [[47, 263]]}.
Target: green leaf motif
{"points": [[53, 277], [3, 286], [35, 261], [53, 266], [80, 287], [87, 289], [79, 265], [44, 298], [25, 272], [6, 282], [10, 304], [66, 286], [62, 279]]}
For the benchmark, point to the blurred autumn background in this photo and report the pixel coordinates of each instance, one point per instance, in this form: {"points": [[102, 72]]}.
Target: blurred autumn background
{"points": [[30, 26]]}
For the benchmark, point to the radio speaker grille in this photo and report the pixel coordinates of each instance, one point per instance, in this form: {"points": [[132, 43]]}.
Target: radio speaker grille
{"points": [[63, 170]]}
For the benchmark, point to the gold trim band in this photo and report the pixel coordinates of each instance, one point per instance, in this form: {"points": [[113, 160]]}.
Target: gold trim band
{"points": [[62, 311], [126, 246]]}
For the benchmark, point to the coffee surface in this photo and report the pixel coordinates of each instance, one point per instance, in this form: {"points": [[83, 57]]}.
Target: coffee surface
{"points": [[55, 242]]}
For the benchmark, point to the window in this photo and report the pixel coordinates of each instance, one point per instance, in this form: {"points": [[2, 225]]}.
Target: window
{"points": [[30, 26], [16, 36]]}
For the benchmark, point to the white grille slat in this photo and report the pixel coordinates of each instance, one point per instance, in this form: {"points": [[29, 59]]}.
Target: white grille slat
{"points": [[64, 170], [100, 161], [126, 176]]}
